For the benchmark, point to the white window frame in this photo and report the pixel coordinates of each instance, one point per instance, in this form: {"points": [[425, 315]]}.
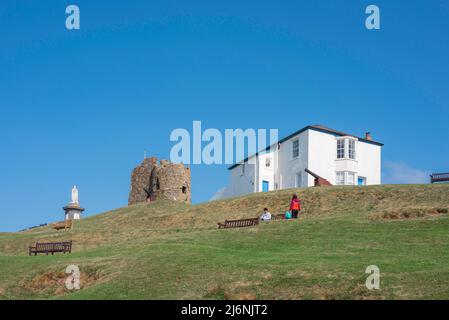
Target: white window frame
{"points": [[340, 181], [346, 148], [351, 149], [345, 181], [348, 181], [296, 141], [341, 147]]}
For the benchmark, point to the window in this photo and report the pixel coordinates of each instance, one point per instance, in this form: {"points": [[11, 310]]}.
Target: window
{"points": [[340, 179], [242, 168], [351, 148], [340, 149], [268, 162], [295, 150], [346, 149], [298, 181], [351, 178], [345, 178]]}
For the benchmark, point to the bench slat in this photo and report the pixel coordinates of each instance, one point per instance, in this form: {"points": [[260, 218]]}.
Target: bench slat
{"points": [[51, 247], [238, 223]]}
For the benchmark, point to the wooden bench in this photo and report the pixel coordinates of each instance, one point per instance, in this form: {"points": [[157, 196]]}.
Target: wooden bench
{"points": [[67, 224], [439, 177], [239, 223], [50, 247], [280, 216]]}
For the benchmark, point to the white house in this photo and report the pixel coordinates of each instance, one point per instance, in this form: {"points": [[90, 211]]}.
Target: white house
{"points": [[340, 158]]}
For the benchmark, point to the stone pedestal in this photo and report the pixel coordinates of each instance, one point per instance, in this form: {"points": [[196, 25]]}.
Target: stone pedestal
{"points": [[73, 211]]}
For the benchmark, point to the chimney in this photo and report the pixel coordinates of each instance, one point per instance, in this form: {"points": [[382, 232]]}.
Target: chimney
{"points": [[368, 136]]}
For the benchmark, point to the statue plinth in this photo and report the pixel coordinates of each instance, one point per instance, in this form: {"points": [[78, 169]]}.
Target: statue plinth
{"points": [[73, 211]]}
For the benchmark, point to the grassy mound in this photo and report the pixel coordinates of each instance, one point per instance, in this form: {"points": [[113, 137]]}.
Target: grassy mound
{"points": [[167, 250]]}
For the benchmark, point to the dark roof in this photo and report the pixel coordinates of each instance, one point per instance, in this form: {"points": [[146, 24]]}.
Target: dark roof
{"points": [[315, 127]]}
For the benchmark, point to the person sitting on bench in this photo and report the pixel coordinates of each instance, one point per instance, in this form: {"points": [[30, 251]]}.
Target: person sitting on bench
{"points": [[266, 215]]}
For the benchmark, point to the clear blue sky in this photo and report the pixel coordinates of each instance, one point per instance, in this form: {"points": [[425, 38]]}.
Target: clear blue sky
{"points": [[79, 107]]}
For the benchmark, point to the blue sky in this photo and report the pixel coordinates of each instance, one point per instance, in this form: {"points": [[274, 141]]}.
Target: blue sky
{"points": [[79, 107]]}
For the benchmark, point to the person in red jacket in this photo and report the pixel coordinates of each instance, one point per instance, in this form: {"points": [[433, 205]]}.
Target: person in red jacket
{"points": [[295, 206]]}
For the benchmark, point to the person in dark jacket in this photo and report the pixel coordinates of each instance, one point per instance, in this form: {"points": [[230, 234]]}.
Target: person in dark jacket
{"points": [[295, 206]]}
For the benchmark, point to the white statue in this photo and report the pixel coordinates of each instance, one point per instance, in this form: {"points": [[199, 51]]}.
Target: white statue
{"points": [[75, 195]]}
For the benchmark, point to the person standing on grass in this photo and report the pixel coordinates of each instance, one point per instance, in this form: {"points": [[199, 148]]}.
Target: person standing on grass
{"points": [[295, 206]]}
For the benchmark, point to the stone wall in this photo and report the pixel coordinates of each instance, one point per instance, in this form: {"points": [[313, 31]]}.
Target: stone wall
{"points": [[153, 180]]}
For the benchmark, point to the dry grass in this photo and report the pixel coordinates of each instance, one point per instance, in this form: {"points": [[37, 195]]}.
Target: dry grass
{"points": [[156, 219], [53, 282], [410, 213]]}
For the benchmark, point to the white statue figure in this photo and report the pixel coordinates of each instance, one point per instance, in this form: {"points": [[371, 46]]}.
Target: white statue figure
{"points": [[75, 195]]}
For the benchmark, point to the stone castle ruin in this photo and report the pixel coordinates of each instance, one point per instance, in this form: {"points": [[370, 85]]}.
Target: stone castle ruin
{"points": [[153, 180]]}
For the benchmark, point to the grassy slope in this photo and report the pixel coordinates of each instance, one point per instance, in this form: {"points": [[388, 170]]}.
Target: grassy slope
{"points": [[168, 250]]}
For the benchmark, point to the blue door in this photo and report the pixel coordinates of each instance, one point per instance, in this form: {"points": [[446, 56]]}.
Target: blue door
{"points": [[265, 186], [361, 181]]}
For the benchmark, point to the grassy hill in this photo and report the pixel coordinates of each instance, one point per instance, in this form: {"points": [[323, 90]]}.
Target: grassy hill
{"points": [[167, 250]]}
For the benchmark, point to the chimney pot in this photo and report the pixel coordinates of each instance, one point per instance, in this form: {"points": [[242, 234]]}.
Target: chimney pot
{"points": [[368, 136]]}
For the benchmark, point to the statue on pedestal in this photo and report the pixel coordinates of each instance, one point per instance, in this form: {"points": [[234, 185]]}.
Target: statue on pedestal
{"points": [[73, 210], [75, 195]]}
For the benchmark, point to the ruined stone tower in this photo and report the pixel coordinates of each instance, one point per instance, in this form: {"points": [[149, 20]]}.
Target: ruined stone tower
{"points": [[153, 180]]}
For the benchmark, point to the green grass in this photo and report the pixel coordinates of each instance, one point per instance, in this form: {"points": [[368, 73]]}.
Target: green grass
{"points": [[166, 250]]}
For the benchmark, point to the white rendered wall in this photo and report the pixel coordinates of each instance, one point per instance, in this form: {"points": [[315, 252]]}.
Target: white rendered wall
{"points": [[369, 159], [289, 166], [322, 156], [242, 184], [265, 173]]}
